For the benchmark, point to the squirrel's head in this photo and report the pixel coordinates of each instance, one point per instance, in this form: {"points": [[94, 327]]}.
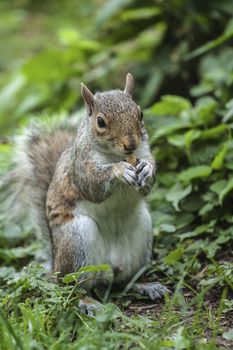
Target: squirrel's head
{"points": [[115, 120]]}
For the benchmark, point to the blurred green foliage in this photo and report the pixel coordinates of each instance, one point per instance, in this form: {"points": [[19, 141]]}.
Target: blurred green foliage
{"points": [[180, 53], [47, 48]]}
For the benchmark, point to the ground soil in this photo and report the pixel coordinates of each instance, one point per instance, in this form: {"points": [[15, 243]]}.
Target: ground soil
{"points": [[155, 309]]}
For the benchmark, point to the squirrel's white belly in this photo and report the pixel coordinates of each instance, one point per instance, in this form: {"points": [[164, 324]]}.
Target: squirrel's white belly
{"points": [[117, 231]]}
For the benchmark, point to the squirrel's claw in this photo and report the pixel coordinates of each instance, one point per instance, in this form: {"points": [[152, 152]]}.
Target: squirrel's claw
{"points": [[126, 173], [154, 291], [128, 180], [145, 172]]}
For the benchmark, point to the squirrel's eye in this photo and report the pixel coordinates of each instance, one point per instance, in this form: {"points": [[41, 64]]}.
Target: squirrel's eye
{"points": [[141, 115], [101, 123]]}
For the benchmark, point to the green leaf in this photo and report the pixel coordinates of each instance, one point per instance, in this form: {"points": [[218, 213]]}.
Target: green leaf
{"points": [[108, 313], [204, 111], [209, 282], [171, 105], [181, 341], [226, 190], [191, 136], [151, 87], [206, 209], [9, 92], [168, 129], [229, 113], [51, 66], [218, 186], [176, 194], [177, 140], [194, 173], [228, 335], [174, 256], [73, 277], [214, 133], [111, 8], [219, 158], [6, 272], [4, 149], [18, 252], [167, 228], [140, 13], [198, 231], [95, 268], [183, 219], [210, 45]]}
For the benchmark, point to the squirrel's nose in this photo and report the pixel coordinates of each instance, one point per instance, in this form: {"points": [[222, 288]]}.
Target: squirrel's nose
{"points": [[130, 145]]}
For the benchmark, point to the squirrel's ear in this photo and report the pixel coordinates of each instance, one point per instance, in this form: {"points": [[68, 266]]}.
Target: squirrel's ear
{"points": [[129, 84], [88, 97]]}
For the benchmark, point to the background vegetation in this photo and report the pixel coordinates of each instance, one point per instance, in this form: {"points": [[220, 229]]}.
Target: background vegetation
{"points": [[180, 52]]}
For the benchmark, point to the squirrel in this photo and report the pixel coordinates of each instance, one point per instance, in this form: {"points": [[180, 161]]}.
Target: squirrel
{"points": [[87, 188]]}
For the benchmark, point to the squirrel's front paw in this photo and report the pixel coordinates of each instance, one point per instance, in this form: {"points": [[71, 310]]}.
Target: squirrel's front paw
{"points": [[89, 306], [146, 175], [126, 173]]}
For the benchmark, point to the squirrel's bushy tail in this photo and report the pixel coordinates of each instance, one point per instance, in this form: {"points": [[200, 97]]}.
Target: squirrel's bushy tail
{"points": [[34, 159]]}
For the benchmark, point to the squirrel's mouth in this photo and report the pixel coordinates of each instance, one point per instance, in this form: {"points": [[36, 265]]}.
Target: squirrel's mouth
{"points": [[129, 152]]}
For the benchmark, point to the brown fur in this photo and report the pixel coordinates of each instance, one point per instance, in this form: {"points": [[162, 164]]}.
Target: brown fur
{"points": [[62, 195], [33, 166], [45, 151], [122, 116], [65, 251], [60, 168], [78, 176]]}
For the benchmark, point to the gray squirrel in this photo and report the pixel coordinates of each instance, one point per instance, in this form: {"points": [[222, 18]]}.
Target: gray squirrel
{"points": [[86, 189]]}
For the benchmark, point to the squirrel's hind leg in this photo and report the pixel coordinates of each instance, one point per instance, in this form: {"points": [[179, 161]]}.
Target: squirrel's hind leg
{"points": [[77, 243], [154, 291]]}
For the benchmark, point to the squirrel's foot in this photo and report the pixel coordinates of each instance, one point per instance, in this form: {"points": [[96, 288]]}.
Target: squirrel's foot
{"points": [[89, 306], [126, 173], [146, 175], [154, 291]]}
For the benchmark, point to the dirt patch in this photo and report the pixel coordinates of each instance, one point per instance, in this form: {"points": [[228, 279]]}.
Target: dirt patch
{"points": [[157, 311], [142, 308]]}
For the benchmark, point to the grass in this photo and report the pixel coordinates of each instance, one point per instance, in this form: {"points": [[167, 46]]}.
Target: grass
{"points": [[191, 204], [38, 314]]}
